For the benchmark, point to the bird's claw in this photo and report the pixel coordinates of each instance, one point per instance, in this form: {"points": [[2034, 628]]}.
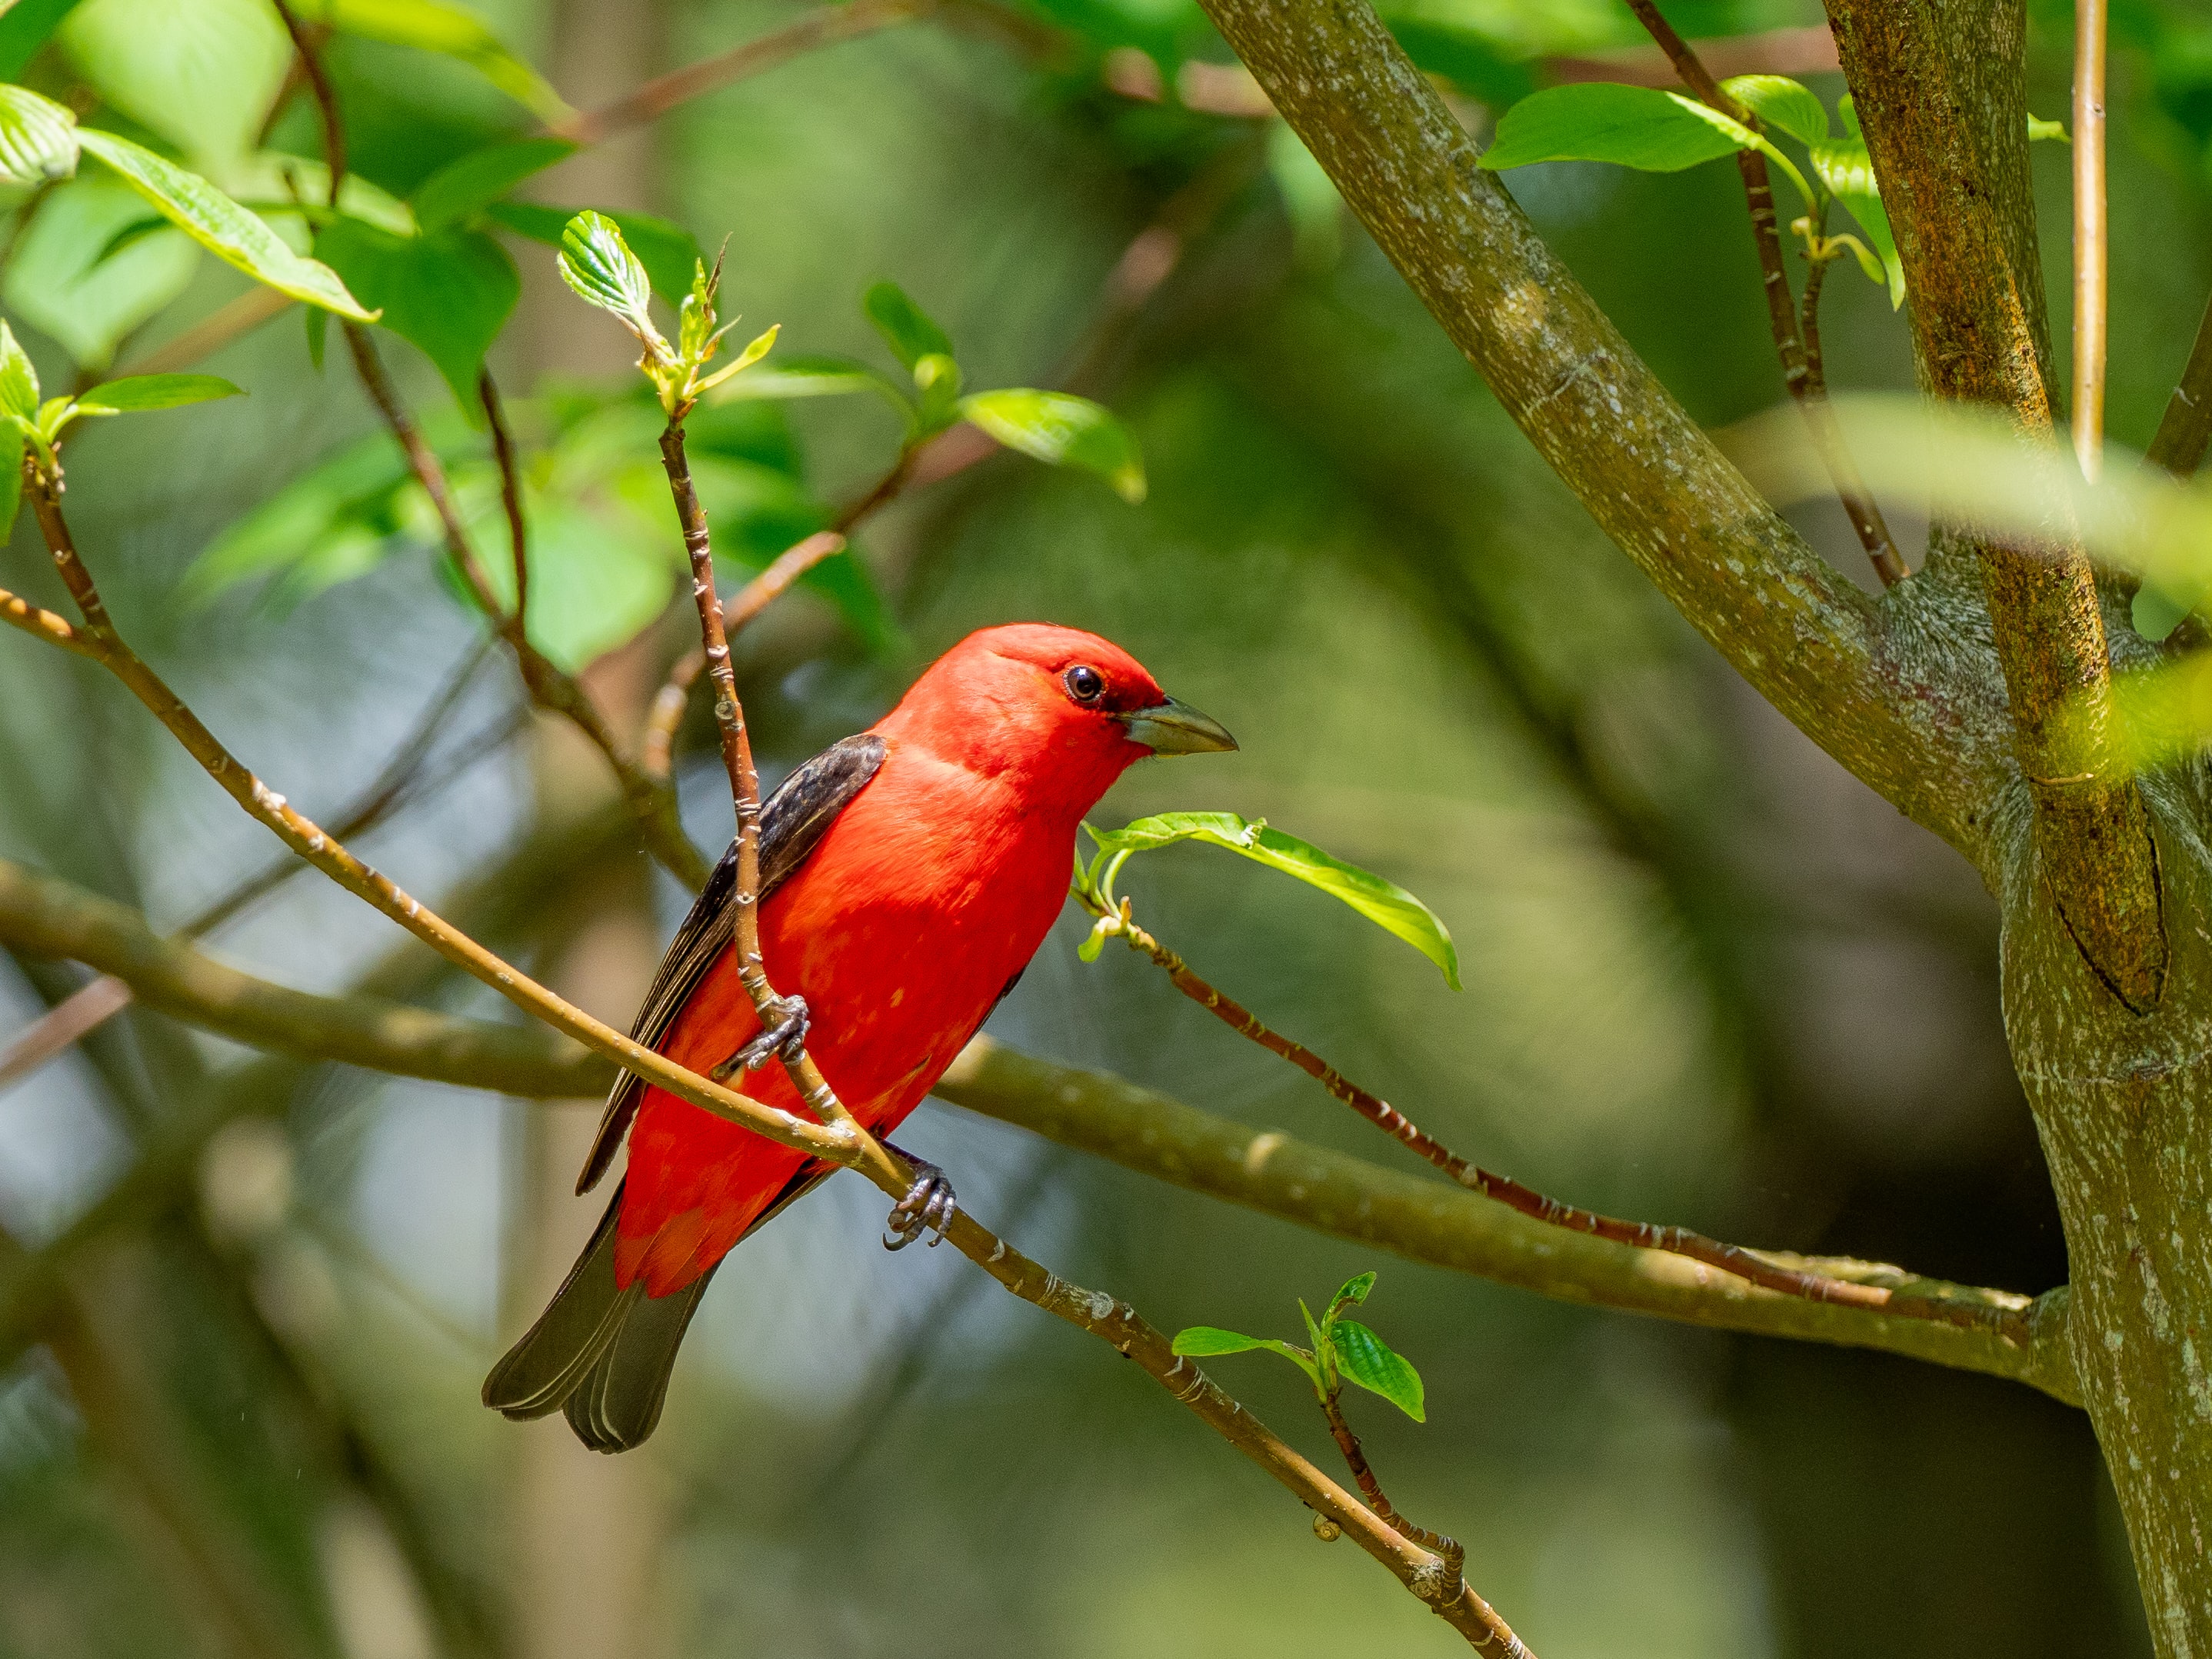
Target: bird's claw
{"points": [[928, 1207], [785, 1034]]}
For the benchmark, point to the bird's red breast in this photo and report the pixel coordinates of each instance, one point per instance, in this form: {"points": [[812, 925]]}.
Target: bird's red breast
{"points": [[929, 892]]}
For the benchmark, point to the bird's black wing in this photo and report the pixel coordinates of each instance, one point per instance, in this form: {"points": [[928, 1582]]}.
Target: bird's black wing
{"points": [[793, 822]]}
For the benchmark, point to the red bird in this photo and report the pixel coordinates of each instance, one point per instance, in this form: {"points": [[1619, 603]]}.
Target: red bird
{"points": [[908, 875]]}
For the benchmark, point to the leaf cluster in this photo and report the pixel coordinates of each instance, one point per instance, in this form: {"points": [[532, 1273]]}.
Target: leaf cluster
{"points": [[1343, 1351]]}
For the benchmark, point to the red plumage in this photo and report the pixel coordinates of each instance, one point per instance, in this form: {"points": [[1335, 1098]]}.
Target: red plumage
{"points": [[928, 895]]}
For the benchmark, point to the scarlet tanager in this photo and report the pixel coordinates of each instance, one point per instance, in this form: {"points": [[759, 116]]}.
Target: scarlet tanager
{"points": [[908, 875]]}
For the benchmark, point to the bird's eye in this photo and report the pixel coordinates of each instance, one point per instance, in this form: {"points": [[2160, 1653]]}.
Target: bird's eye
{"points": [[1084, 683]]}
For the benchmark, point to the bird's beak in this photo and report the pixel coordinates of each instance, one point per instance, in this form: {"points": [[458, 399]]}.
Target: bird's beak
{"points": [[1175, 728]]}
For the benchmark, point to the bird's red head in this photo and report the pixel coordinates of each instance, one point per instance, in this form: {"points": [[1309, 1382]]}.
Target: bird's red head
{"points": [[1064, 710]]}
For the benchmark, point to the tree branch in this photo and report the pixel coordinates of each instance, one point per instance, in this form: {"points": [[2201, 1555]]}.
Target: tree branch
{"points": [[824, 27], [1806, 638], [1420, 1219], [1787, 1280], [1946, 125]]}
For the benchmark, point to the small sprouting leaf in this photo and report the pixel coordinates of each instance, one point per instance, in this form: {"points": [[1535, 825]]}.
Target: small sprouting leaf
{"points": [[142, 392], [1847, 170], [1847, 112], [1063, 430], [1364, 1358], [1781, 102], [667, 251], [1094, 941], [1385, 903], [19, 380], [1355, 1290], [1206, 1340], [906, 329], [222, 226], [1637, 127], [2037, 130], [473, 183], [37, 138], [755, 349], [599, 265], [448, 292]]}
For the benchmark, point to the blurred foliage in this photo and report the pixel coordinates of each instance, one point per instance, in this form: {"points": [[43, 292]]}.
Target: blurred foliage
{"points": [[1708, 979]]}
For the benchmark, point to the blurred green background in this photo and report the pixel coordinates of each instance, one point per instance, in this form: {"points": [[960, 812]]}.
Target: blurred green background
{"points": [[1710, 979]]}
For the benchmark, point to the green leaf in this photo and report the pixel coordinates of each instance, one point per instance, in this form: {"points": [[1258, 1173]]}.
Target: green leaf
{"points": [[219, 225], [450, 32], [11, 478], [59, 282], [596, 262], [24, 27], [1781, 102], [37, 138], [142, 392], [449, 292], [1063, 430], [2037, 130], [1385, 903], [1364, 1358], [589, 592], [1355, 1289], [199, 75], [1848, 113], [468, 185], [1205, 1341], [1847, 171], [906, 329], [19, 380], [1639, 127]]}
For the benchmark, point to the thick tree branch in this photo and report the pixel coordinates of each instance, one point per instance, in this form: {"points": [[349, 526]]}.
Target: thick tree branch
{"points": [[43, 917], [1804, 637], [1414, 1217], [1942, 107]]}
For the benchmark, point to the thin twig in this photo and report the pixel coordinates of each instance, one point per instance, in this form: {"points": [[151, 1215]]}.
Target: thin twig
{"points": [[744, 796], [2090, 230], [1859, 503], [310, 62], [2183, 429], [1643, 1235], [1449, 1550], [510, 496], [824, 27], [840, 1141], [656, 754]]}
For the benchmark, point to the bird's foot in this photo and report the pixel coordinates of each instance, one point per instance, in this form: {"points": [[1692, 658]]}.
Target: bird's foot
{"points": [[785, 1034], [928, 1207]]}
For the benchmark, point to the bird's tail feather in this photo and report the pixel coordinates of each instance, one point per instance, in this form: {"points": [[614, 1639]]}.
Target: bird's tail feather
{"points": [[603, 1352]]}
